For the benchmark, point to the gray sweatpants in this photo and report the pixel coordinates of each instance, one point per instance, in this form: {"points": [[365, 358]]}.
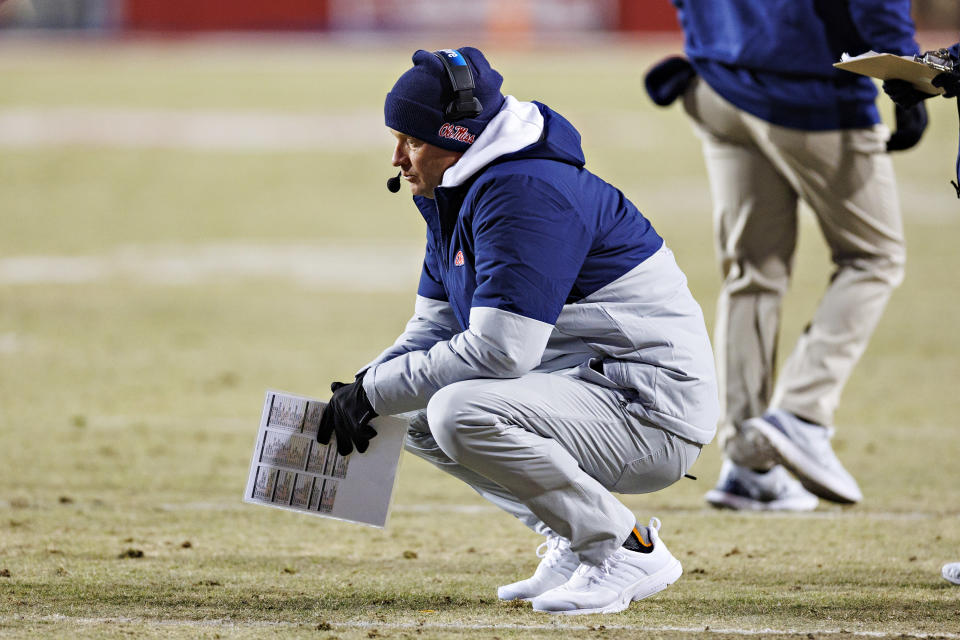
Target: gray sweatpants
{"points": [[549, 448], [758, 173]]}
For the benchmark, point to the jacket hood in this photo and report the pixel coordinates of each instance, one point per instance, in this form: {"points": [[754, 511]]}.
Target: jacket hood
{"points": [[521, 130]]}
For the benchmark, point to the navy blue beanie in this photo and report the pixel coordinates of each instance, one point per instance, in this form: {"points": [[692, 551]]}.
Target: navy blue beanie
{"points": [[415, 104]]}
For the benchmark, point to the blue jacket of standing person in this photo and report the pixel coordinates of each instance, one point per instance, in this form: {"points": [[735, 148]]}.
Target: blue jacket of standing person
{"points": [[773, 59]]}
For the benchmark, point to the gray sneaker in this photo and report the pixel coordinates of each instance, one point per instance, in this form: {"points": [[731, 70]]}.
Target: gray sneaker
{"points": [[804, 448], [951, 572], [557, 564], [742, 489]]}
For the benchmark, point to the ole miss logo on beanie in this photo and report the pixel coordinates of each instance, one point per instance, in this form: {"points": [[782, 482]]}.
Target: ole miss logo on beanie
{"points": [[456, 132], [418, 103]]}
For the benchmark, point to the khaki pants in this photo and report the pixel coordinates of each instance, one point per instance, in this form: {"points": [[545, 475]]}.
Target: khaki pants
{"points": [[758, 173]]}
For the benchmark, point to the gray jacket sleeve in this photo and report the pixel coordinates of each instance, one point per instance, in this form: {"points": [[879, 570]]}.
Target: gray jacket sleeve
{"points": [[497, 344], [432, 322]]}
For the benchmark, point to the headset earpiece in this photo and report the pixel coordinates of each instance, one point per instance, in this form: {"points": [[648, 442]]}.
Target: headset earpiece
{"points": [[464, 103]]}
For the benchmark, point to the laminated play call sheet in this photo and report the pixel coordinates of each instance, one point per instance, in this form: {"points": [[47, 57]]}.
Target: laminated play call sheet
{"points": [[291, 470]]}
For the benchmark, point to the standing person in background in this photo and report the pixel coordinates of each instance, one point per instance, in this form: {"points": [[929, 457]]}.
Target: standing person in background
{"points": [[779, 125], [905, 96]]}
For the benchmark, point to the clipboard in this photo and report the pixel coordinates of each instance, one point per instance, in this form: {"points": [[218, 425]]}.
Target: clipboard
{"points": [[291, 470], [889, 66]]}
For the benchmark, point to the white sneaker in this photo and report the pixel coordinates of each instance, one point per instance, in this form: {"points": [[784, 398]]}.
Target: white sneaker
{"points": [[745, 490], [804, 448], [622, 578], [951, 572], [556, 566]]}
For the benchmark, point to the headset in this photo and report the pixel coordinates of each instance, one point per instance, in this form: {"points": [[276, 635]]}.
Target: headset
{"points": [[464, 103]]}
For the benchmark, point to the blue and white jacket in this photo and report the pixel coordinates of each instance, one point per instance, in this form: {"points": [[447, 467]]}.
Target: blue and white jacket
{"points": [[535, 264], [773, 58]]}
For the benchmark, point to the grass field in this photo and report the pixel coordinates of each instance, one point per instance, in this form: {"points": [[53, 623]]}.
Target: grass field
{"points": [[149, 295]]}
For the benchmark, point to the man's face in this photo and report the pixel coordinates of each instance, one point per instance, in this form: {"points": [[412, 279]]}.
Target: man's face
{"points": [[421, 163]]}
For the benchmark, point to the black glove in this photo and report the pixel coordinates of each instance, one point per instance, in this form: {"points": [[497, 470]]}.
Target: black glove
{"points": [[668, 79], [904, 94], [347, 414], [911, 123], [949, 81]]}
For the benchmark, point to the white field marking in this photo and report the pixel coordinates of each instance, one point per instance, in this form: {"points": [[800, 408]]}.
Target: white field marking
{"points": [[10, 343], [199, 130], [558, 625], [239, 130], [344, 265]]}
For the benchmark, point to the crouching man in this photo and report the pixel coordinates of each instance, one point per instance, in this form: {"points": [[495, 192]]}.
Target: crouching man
{"points": [[555, 354]]}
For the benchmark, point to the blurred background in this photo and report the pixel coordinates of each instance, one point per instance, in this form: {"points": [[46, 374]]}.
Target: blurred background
{"points": [[529, 17]]}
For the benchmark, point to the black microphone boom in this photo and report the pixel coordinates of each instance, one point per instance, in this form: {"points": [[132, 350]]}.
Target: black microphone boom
{"points": [[393, 184]]}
